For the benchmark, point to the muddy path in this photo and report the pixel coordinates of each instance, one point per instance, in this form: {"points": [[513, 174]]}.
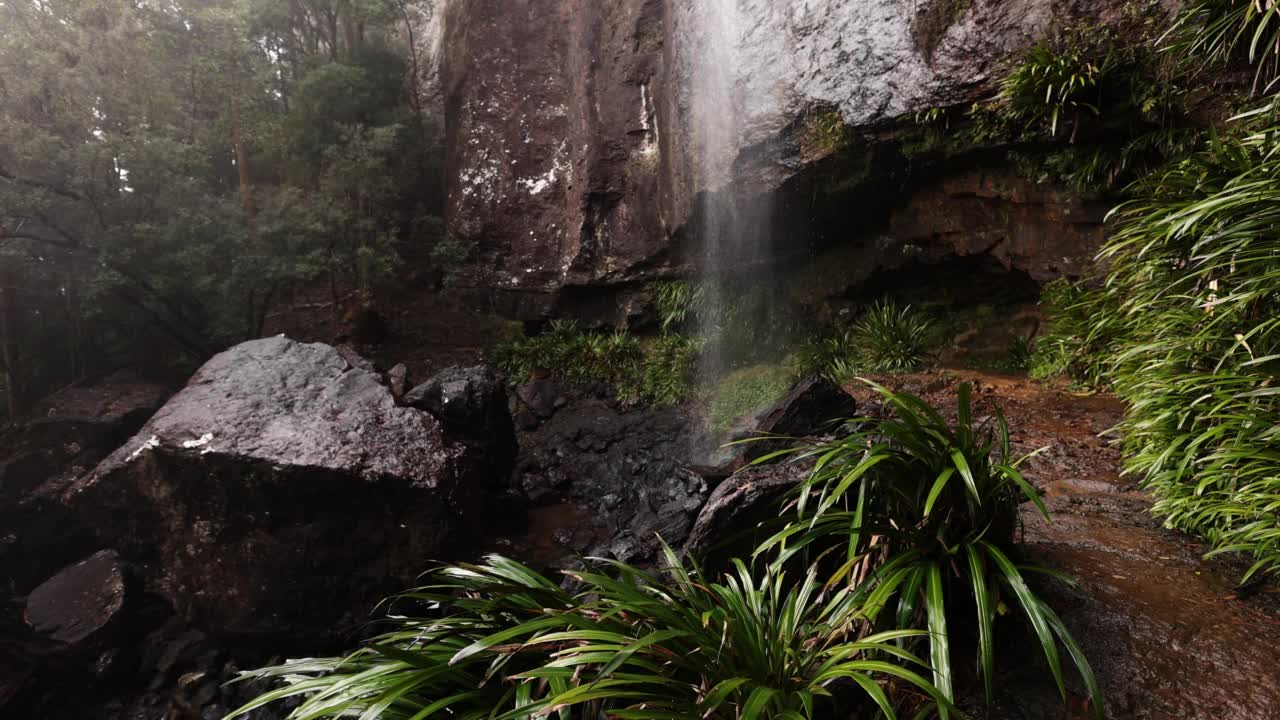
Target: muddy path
{"points": [[1170, 635]]}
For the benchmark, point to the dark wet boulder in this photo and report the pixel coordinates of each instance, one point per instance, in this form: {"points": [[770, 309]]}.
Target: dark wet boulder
{"points": [[537, 400], [813, 407], [473, 406], [729, 524], [282, 490], [79, 611], [618, 474], [67, 434]]}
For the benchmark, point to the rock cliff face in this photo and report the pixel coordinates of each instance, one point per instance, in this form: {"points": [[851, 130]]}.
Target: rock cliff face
{"points": [[553, 138], [575, 128]]}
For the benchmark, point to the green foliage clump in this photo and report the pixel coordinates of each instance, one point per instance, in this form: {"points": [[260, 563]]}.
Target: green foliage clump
{"points": [[1210, 35], [1071, 345], [669, 368], [1195, 282], [1058, 77], [499, 641], [678, 302], [887, 338], [659, 371], [831, 355], [918, 515], [825, 132], [1185, 327], [892, 338]]}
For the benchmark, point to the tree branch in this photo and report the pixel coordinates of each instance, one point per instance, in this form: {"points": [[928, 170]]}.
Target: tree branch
{"points": [[38, 185]]}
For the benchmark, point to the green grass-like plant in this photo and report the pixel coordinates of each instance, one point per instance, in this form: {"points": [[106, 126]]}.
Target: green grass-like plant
{"points": [[892, 338], [887, 338], [1211, 35], [1195, 284], [658, 370], [1055, 78], [677, 302], [502, 642], [917, 516], [1069, 345]]}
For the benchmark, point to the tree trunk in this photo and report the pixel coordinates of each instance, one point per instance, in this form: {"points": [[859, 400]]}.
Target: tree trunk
{"points": [[9, 341], [242, 163], [75, 342]]}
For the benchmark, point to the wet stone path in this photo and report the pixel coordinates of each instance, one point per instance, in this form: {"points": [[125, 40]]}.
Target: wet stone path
{"points": [[1169, 634]]}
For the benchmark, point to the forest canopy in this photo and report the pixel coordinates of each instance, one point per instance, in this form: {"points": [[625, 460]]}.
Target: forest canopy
{"points": [[169, 171]]}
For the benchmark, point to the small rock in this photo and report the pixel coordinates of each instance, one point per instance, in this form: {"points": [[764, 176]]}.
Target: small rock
{"points": [[354, 358], [472, 404], [542, 397], [398, 380], [80, 607]]}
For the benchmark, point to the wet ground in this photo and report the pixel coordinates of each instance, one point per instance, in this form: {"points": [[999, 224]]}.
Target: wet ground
{"points": [[1170, 635]]}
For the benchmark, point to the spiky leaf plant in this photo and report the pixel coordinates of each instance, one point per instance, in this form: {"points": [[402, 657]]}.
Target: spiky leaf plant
{"points": [[891, 338], [916, 516], [1055, 78], [1215, 34], [502, 642]]}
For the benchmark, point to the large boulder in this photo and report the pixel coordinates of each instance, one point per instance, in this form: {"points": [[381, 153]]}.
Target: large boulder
{"points": [[282, 490], [739, 513]]}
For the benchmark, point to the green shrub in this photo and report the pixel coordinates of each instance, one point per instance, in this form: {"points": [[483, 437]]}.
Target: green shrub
{"points": [[1057, 77], [659, 371], [919, 516], [499, 641], [670, 366], [1219, 34], [888, 338], [891, 338], [1071, 344], [746, 391], [829, 355], [677, 301]]}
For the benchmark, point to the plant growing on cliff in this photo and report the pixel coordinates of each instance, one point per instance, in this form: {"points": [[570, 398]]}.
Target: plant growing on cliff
{"points": [[1216, 34], [658, 371], [1056, 78], [499, 641], [916, 516], [825, 132], [677, 302]]}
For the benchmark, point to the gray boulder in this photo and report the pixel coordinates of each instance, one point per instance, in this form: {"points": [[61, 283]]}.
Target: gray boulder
{"points": [[282, 490]]}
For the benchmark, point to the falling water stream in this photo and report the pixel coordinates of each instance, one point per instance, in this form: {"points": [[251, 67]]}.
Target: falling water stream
{"points": [[734, 228]]}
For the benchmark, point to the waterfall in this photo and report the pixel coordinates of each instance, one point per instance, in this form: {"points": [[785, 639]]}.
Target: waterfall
{"points": [[734, 227]]}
